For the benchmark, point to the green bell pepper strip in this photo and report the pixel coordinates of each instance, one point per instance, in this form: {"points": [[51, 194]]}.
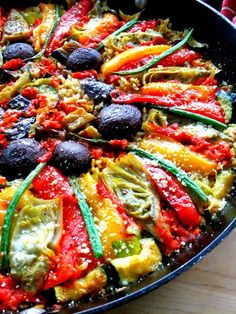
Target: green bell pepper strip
{"points": [[88, 218], [129, 247], [158, 58], [117, 32], [6, 228], [163, 163], [48, 37]]}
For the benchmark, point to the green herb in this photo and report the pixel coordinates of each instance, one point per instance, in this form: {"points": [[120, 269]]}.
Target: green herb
{"points": [[49, 35], [169, 166], [158, 58], [6, 228], [88, 218], [118, 31]]}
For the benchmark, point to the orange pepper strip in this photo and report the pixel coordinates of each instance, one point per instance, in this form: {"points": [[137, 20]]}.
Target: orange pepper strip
{"points": [[130, 55], [184, 91]]}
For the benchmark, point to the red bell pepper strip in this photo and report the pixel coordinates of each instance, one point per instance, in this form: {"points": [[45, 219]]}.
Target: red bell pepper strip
{"points": [[84, 74], [11, 295], [74, 247], [182, 234], [143, 26], [169, 243], [75, 15], [210, 109], [173, 192], [180, 58]]}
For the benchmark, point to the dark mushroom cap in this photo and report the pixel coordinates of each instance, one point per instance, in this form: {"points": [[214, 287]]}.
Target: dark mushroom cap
{"points": [[18, 50], [119, 121], [71, 158], [84, 59], [20, 157]]}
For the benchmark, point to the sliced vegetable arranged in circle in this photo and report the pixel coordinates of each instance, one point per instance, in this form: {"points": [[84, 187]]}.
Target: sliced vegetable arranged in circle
{"points": [[117, 150]]}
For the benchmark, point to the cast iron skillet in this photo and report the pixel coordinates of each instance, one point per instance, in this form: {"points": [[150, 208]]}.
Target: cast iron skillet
{"points": [[210, 27], [220, 34]]}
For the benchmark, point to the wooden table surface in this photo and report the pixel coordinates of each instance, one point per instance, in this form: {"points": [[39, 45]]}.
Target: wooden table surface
{"points": [[208, 287]]}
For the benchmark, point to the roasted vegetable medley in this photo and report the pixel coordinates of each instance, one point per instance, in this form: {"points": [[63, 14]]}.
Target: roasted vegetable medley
{"points": [[116, 143]]}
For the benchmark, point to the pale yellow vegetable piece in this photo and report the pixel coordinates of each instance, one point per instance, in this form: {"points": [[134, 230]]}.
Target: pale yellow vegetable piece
{"points": [[223, 184], [77, 119], [130, 268], [92, 283], [15, 28]]}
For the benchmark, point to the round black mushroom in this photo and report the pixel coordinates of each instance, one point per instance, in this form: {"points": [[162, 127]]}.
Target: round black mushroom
{"points": [[119, 121], [71, 158], [18, 50], [20, 157], [84, 59]]}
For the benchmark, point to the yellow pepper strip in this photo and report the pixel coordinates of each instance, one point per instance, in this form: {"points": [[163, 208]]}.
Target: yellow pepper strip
{"points": [[179, 154], [41, 31], [223, 184], [198, 92], [6, 196], [110, 224], [130, 55], [9, 91]]}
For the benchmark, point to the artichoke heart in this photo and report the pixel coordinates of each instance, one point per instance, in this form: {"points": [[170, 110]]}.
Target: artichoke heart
{"points": [[131, 185], [183, 74], [119, 41], [16, 28], [36, 233]]}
